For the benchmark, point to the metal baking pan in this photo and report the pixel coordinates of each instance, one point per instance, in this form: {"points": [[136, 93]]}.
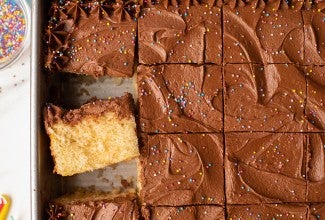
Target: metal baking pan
{"points": [[69, 91]]}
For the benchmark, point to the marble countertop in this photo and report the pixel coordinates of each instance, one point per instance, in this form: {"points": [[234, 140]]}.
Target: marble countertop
{"points": [[15, 137]]}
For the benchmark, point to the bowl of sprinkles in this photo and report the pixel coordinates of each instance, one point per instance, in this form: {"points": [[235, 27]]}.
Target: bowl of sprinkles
{"points": [[14, 30]]}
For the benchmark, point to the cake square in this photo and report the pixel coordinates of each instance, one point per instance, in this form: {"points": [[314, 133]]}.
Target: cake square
{"points": [[94, 38], [316, 175], [182, 169], [98, 134], [265, 97], [317, 211], [268, 211], [184, 212], [265, 167], [180, 98], [259, 32], [95, 205], [315, 105], [184, 33], [314, 29]]}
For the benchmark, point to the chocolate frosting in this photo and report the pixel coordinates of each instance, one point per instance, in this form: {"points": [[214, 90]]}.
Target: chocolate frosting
{"points": [[165, 37], [279, 161], [314, 30], [94, 38], [178, 3], [315, 107], [317, 211], [119, 208], [121, 106], [180, 34], [256, 32], [316, 167], [268, 211], [180, 98], [265, 98], [186, 212], [182, 170]]}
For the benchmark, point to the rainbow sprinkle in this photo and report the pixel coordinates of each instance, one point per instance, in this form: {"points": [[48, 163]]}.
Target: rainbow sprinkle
{"points": [[12, 29]]}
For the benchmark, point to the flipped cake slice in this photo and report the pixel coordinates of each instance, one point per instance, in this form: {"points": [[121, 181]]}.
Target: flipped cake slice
{"points": [[96, 135]]}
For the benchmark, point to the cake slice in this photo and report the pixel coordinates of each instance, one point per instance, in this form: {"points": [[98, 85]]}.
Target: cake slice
{"points": [[94, 38], [94, 205], [96, 135]]}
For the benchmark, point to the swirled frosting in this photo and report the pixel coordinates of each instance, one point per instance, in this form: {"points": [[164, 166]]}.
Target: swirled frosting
{"points": [[268, 211], [94, 38], [265, 168], [180, 98], [314, 29], [186, 212], [179, 170], [265, 98], [180, 34], [257, 32], [315, 107], [117, 208], [316, 167]]}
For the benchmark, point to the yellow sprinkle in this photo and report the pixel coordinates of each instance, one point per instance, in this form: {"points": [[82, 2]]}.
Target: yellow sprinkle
{"points": [[294, 90], [108, 24]]}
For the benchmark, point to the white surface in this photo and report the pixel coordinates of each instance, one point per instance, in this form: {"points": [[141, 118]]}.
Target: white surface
{"points": [[15, 136]]}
